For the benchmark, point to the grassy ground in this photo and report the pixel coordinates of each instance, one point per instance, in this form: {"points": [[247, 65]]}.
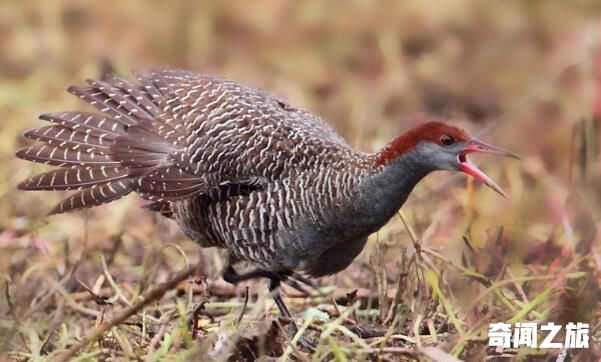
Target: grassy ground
{"points": [[525, 75]]}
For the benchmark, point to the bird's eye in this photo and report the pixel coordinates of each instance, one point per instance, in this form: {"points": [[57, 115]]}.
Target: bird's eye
{"points": [[447, 140]]}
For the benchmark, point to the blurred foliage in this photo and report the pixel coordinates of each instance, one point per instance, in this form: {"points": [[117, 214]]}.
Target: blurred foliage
{"points": [[524, 74]]}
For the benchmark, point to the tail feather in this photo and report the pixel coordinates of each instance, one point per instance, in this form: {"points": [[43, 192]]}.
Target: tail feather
{"points": [[68, 138], [126, 99], [160, 83], [169, 182], [96, 195], [160, 86], [65, 156], [86, 122], [136, 94], [149, 86], [73, 178], [129, 147], [142, 147], [103, 102]]}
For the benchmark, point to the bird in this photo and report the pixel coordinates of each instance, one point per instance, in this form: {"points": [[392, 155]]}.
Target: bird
{"points": [[240, 169]]}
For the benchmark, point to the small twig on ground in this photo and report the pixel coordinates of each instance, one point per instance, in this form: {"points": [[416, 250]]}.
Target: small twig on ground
{"points": [[196, 312], [518, 287], [377, 261], [59, 288], [112, 282], [401, 285], [389, 350], [351, 298], [482, 279], [156, 339], [416, 326], [100, 300], [9, 300], [335, 305], [179, 250], [152, 295], [45, 298], [411, 232]]}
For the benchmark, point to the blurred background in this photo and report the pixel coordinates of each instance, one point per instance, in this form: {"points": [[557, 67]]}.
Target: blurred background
{"points": [[525, 75]]}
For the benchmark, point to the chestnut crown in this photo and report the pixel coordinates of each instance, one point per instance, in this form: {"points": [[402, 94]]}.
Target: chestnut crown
{"points": [[435, 132]]}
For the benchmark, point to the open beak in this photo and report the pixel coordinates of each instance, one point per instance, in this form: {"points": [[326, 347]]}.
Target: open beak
{"points": [[469, 168]]}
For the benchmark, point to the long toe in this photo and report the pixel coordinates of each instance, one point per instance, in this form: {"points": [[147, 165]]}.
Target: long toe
{"points": [[303, 341], [306, 343], [306, 281], [297, 281]]}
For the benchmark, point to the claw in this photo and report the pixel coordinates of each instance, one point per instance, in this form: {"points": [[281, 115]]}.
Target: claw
{"points": [[294, 280]]}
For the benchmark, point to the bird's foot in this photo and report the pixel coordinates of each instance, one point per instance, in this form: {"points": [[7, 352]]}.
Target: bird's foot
{"points": [[289, 277], [302, 341], [297, 281], [306, 343]]}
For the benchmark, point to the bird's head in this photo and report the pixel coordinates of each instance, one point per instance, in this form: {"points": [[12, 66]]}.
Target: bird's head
{"points": [[439, 146]]}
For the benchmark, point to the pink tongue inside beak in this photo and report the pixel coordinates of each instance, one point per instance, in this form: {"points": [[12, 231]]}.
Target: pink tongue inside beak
{"points": [[471, 169], [476, 173]]}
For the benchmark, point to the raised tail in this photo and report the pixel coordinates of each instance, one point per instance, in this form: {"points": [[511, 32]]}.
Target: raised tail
{"points": [[103, 156]]}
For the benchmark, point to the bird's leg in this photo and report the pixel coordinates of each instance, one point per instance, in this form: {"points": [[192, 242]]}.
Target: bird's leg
{"points": [[230, 275], [296, 281], [291, 278], [273, 286]]}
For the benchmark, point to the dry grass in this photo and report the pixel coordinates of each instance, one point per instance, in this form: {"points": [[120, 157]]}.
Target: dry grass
{"points": [[524, 74]]}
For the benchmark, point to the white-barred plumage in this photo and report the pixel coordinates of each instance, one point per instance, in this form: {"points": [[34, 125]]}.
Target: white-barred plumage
{"points": [[237, 167]]}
